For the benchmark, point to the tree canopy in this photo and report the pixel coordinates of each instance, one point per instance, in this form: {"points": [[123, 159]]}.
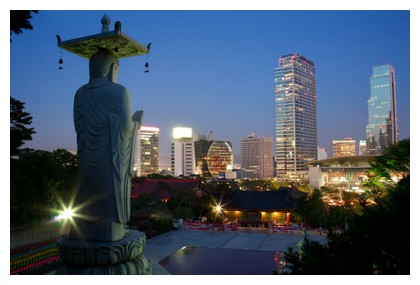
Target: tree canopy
{"points": [[395, 162], [39, 181], [311, 209], [20, 121], [19, 19], [378, 240]]}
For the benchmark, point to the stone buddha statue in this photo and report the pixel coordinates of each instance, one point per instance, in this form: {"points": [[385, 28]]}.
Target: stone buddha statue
{"points": [[106, 134]]}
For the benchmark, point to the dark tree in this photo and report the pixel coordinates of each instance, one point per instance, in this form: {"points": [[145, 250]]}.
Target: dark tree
{"points": [[202, 205], [30, 185], [159, 176], [219, 190], [39, 181], [181, 202], [19, 119], [19, 126], [146, 200], [311, 209], [150, 215], [258, 184], [394, 162], [19, 19], [378, 240], [65, 183]]}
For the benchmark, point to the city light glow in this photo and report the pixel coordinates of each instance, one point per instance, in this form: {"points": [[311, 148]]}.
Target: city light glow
{"points": [[180, 132], [149, 129], [67, 213]]}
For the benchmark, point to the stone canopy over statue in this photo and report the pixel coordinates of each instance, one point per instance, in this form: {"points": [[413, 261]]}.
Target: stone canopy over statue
{"points": [[98, 241]]}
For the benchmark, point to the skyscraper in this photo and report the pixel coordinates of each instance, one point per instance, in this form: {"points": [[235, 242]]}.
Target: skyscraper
{"points": [[296, 118], [182, 152], [382, 128], [257, 157], [147, 150], [345, 147]]}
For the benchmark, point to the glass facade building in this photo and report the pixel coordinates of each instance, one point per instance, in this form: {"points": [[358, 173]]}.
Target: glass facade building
{"points": [[220, 157], [213, 157], [296, 117], [381, 129], [201, 149]]}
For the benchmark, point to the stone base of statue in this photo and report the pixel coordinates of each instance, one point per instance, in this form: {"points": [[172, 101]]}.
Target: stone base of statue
{"points": [[124, 256]]}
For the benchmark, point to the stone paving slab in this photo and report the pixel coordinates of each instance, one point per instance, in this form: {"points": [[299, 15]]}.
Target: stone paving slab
{"points": [[166, 244]]}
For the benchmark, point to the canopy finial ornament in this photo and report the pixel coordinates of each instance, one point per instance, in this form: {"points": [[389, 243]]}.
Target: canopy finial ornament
{"points": [[105, 21]]}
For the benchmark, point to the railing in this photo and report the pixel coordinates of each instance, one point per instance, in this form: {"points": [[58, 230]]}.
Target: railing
{"points": [[205, 226], [284, 228]]}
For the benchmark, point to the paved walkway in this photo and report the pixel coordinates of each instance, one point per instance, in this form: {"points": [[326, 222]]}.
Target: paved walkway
{"points": [[246, 238]]}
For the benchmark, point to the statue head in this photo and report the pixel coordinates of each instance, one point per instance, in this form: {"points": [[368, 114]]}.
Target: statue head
{"points": [[104, 64]]}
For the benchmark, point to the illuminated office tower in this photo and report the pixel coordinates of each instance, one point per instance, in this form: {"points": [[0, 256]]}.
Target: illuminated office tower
{"points": [[382, 128], [296, 118], [345, 147], [257, 157], [147, 150], [182, 152]]}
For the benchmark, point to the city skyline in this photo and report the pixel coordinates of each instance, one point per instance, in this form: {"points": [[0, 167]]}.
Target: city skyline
{"points": [[215, 75]]}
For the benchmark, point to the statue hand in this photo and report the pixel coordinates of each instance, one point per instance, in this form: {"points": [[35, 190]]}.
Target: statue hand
{"points": [[138, 116]]}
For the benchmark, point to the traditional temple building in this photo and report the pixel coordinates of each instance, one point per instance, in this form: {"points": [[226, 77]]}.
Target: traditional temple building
{"points": [[260, 208], [244, 208]]}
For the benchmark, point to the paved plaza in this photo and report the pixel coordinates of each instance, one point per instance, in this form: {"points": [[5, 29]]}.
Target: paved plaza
{"points": [[166, 244]]}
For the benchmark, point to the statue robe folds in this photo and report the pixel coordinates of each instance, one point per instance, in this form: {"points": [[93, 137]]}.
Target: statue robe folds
{"points": [[106, 137]]}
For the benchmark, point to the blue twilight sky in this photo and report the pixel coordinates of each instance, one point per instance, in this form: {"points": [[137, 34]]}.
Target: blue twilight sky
{"points": [[214, 70]]}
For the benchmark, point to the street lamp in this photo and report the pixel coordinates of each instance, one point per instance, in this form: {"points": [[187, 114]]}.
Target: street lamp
{"points": [[66, 214], [218, 209]]}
